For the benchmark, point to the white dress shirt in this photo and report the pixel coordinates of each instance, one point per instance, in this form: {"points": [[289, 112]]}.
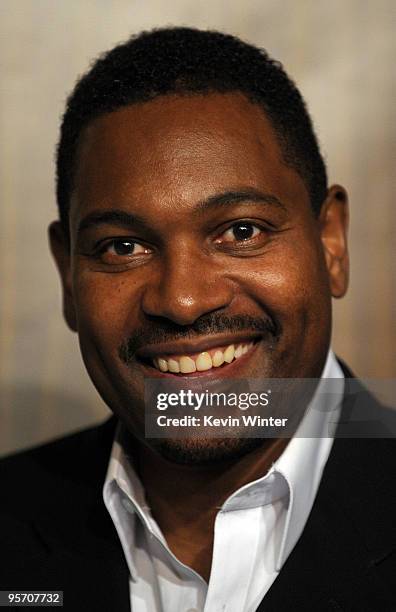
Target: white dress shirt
{"points": [[255, 530]]}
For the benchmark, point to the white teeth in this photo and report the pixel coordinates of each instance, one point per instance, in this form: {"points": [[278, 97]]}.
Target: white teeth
{"points": [[204, 361], [229, 353], [173, 366], [238, 352], [163, 366], [187, 365], [218, 359]]}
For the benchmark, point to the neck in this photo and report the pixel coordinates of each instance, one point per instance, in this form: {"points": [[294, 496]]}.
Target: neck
{"points": [[184, 499]]}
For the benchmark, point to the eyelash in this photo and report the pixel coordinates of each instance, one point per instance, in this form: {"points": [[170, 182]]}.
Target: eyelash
{"points": [[245, 224], [103, 247]]}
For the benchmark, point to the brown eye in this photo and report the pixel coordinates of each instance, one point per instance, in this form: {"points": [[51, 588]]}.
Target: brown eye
{"points": [[243, 231], [121, 250], [240, 232], [122, 247]]}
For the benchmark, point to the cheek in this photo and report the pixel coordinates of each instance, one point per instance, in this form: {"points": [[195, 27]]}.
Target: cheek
{"points": [[106, 307], [290, 281]]}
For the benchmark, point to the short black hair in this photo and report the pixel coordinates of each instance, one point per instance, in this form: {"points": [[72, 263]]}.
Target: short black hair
{"points": [[181, 60]]}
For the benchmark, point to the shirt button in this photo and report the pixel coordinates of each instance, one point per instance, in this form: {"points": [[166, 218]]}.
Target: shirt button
{"points": [[128, 505]]}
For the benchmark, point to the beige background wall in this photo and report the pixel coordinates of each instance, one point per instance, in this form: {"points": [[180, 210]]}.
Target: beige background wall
{"points": [[340, 52]]}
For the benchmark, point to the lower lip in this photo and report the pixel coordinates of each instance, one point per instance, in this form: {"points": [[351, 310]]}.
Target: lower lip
{"points": [[224, 371]]}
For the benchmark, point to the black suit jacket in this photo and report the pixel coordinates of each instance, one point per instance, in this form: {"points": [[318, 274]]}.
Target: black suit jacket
{"points": [[55, 532]]}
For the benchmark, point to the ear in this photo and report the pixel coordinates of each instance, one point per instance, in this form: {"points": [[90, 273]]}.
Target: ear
{"points": [[333, 219], [60, 250]]}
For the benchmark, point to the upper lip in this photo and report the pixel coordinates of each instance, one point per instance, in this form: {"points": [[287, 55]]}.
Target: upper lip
{"points": [[186, 347]]}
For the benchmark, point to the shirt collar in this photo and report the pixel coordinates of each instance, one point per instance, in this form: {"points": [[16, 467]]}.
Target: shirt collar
{"points": [[304, 459], [295, 475]]}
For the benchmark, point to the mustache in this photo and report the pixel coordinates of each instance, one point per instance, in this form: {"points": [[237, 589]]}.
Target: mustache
{"points": [[168, 331]]}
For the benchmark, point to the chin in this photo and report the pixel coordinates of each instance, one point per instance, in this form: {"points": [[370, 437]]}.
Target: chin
{"points": [[202, 451]]}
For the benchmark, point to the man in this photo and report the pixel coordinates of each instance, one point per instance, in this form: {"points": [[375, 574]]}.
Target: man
{"points": [[198, 240]]}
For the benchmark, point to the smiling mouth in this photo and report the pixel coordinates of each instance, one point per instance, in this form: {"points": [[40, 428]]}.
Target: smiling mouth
{"points": [[216, 357]]}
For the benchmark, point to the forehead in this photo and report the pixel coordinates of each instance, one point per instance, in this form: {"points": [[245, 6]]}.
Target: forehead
{"points": [[181, 149]]}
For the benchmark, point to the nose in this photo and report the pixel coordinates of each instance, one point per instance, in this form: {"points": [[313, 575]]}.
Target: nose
{"points": [[186, 286]]}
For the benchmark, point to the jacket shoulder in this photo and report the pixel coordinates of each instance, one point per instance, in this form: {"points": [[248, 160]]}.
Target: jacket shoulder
{"points": [[76, 461]]}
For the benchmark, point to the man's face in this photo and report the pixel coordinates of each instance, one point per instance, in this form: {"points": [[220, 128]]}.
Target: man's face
{"points": [[190, 234]]}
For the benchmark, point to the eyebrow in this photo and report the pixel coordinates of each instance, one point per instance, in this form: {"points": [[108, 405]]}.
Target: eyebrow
{"points": [[241, 195], [121, 218]]}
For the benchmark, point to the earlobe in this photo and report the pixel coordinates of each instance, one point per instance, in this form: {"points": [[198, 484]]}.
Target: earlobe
{"points": [[61, 253], [334, 218]]}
